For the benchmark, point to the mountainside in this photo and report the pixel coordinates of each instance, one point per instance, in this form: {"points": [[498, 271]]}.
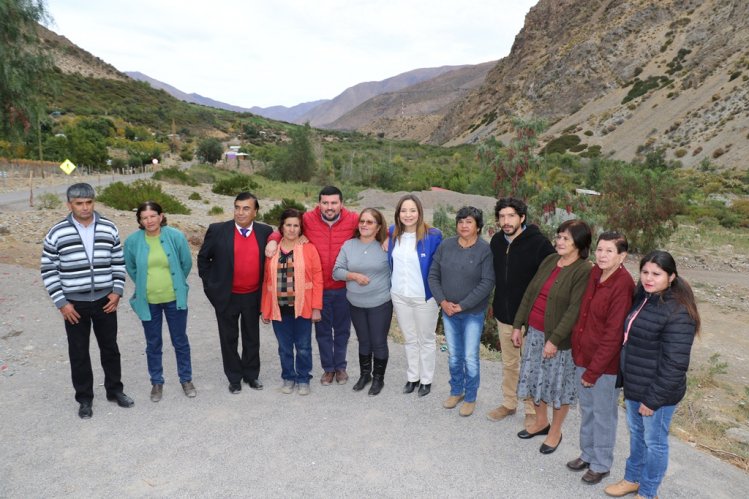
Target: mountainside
{"points": [[626, 76], [327, 113], [179, 94], [413, 112], [283, 113], [71, 59]]}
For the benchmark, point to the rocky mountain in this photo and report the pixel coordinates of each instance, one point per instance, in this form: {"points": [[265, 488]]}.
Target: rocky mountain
{"points": [[413, 112], [627, 76], [325, 114], [71, 59], [290, 114]]}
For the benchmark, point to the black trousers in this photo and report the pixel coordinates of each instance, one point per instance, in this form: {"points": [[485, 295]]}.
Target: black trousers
{"points": [[105, 331], [372, 326], [244, 311]]}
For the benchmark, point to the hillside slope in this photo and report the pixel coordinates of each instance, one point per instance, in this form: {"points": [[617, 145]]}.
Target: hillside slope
{"points": [[575, 62]]}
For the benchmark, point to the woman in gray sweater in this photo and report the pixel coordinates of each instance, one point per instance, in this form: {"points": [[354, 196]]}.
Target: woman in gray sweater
{"points": [[462, 278], [363, 264]]}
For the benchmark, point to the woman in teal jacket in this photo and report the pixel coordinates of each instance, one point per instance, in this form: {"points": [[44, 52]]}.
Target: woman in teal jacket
{"points": [[158, 260]]}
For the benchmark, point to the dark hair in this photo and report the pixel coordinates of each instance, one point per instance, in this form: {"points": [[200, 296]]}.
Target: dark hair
{"points": [[330, 190], [80, 191], [581, 236], [679, 287], [382, 232], [619, 240], [470, 211], [149, 205], [516, 204], [421, 226], [291, 213], [244, 196]]}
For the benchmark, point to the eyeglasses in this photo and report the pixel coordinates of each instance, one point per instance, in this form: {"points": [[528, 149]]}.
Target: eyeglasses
{"points": [[367, 222]]}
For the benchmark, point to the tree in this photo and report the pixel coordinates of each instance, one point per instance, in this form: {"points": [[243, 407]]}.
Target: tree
{"points": [[210, 150], [24, 66], [512, 163], [297, 160]]}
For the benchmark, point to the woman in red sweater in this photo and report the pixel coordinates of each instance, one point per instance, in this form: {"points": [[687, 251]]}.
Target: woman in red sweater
{"points": [[596, 343]]}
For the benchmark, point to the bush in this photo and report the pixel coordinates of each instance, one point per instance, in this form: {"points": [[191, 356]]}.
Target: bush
{"points": [[194, 196], [128, 196], [234, 185], [118, 163], [272, 216], [642, 87], [210, 150], [561, 144], [216, 210], [444, 220], [680, 153], [174, 176], [48, 201], [186, 154]]}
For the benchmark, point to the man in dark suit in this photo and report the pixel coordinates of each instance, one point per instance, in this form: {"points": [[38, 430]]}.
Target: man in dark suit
{"points": [[231, 264]]}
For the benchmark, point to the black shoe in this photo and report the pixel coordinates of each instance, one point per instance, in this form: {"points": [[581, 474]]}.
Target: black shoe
{"points": [[235, 387], [85, 411], [363, 381], [255, 384], [121, 399], [378, 376], [577, 464], [425, 389], [592, 477], [548, 449], [524, 434], [410, 386]]}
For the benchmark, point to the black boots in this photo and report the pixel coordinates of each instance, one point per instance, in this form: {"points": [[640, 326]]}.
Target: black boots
{"points": [[378, 376], [365, 365]]}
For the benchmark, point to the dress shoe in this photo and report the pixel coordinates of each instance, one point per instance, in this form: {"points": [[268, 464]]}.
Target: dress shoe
{"points": [[548, 449], [255, 384], [425, 389], [467, 409], [410, 386], [121, 399], [341, 377], [500, 413], [593, 477], [577, 464], [85, 411], [621, 488], [525, 434], [452, 401], [235, 387], [327, 378], [189, 389], [156, 392]]}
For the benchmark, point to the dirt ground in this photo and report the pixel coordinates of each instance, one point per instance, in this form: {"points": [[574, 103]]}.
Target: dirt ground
{"points": [[720, 280]]}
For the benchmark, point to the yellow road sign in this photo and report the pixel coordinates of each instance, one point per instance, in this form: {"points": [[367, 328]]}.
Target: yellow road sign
{"points": [[67, 166]]}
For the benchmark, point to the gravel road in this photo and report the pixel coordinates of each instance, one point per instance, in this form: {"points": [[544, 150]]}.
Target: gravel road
{"points": [[333, 443]]}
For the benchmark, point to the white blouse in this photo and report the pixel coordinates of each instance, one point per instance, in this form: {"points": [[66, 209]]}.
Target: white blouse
{"points": [[406, 279]]}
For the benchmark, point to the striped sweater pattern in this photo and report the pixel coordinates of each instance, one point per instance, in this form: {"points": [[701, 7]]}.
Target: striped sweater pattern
{"points": [[66, 269]]}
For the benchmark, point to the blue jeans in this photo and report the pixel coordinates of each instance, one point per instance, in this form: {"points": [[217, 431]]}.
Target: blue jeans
{"points": [[648, 447], [463, 334], [177, 322], [291, 333], [333, 330]]}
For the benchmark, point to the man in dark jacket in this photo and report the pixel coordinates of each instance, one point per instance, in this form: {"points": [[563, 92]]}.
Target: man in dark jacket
{"points": [[231, 263], [518, 250]]}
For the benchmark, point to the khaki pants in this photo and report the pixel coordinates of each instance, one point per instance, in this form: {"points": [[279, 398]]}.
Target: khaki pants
{"points": [[511, 369]]}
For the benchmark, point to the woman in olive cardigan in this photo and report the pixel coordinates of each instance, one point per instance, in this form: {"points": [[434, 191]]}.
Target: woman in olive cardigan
{"points": [[549, 311]]}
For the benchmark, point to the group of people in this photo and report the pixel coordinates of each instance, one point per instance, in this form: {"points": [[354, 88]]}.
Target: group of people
{"points": [[569, 331]]}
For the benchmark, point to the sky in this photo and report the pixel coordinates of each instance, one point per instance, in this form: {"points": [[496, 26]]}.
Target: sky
{"points": [[286, 52]]}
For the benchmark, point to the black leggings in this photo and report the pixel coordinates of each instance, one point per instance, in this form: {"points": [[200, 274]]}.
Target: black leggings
{"points": [[372, 326]]}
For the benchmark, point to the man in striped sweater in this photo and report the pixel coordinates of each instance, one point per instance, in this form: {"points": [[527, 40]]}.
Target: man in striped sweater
{"points": [[84, 272]]}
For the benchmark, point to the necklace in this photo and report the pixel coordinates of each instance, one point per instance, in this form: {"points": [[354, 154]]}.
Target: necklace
{"points": [[368, 245]]}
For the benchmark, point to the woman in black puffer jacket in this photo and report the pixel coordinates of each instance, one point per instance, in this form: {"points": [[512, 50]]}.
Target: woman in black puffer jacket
{"points": [[658, 336]]}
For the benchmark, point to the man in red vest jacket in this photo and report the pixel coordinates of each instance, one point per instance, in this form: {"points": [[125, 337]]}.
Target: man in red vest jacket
{"points": [[231, 263]]}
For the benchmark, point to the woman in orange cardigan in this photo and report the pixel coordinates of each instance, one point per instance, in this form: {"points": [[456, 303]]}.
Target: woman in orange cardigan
{"points": [[292, 299]]}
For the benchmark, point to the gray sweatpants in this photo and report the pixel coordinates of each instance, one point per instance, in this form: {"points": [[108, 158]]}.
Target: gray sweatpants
{"points": [[598, 416]]}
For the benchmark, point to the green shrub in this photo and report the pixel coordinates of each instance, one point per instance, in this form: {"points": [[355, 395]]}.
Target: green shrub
{"points": [[641, 87], [128, 196], [174, 176], [561, 144], [680, 153], [235, 184], [588, 133], [272, 216], [118, 163], [216, 210], [592, 152], [194, 196], [578, 148], [444, 220], [48, 201]]}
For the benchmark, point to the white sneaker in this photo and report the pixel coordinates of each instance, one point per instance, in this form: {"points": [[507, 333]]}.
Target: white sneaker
{"points": [[288, 387], [303, 388]]}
